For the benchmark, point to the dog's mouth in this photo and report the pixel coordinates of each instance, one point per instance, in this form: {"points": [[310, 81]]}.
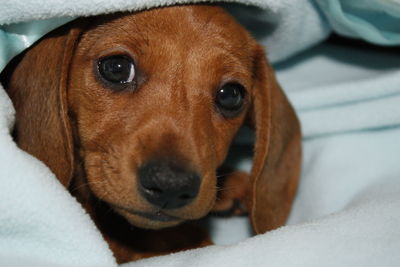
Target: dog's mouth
{"points": [[157, 216]]}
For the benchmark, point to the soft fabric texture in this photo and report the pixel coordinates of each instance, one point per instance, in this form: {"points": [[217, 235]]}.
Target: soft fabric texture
{"points": [[337, 89], [39, 220], [347, 211], [376, 21]]}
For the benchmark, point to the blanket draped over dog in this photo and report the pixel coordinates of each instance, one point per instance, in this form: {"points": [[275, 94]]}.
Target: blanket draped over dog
{"points": [[347, 211]]}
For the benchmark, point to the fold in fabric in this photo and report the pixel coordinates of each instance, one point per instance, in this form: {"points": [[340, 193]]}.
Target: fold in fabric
{"points": [[376, 21], [337, 89]]}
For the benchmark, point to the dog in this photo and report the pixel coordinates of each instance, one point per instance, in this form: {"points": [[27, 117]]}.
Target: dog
{"points": [[135, 113]]}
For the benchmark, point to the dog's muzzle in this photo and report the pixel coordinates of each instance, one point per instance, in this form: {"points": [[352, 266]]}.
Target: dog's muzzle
{"points": [[168, 185]]}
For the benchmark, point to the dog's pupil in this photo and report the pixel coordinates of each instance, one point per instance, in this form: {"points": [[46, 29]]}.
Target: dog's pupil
{"points": [[116, 69], [230, 96]]}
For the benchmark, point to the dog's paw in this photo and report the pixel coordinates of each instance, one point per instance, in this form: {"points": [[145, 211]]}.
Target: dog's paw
{"points": [[231, 196]]}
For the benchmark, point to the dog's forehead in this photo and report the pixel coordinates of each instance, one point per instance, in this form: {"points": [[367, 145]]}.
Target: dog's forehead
{"points": [[201, 42], [184, 26]]}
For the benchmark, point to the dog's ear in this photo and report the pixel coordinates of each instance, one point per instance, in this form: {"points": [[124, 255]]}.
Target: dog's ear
{"points": [[277, 152], [37, 86]]}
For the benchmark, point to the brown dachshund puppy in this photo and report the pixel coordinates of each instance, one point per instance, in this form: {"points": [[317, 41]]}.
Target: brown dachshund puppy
{"points": [[134, 113]]}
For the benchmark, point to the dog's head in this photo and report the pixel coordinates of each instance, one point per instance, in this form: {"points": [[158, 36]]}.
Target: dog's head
{"points": [[152, 101]]}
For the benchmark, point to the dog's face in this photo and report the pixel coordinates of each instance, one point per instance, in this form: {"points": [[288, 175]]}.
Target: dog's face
{"points": [[157, 98], [150, 103]]}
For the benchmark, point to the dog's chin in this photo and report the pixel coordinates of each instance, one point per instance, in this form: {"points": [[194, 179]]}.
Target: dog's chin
{"points": [[154, 221]]}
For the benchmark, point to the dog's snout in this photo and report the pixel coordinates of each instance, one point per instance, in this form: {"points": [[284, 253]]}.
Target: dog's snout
{"points": [[168, 185]]}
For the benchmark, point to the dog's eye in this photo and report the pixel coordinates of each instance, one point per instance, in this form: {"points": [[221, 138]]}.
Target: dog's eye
{"points": [[230, 99], [117, 69]]}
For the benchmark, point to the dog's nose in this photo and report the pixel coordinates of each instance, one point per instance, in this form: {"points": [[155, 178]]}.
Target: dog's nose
{"points": [[167, 185]]}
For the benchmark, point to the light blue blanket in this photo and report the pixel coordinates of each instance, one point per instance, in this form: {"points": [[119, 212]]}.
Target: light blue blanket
{"points": [[376, 21], [347, 211]]}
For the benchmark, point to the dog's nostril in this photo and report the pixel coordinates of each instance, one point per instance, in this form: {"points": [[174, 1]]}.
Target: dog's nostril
{"points": [[167, 185], [185, 196]]}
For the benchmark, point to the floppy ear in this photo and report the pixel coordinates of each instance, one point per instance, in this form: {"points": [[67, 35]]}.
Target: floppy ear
{"points": [[38, 88], [277, 155]]}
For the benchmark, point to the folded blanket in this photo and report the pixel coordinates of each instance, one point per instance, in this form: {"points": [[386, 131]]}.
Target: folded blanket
{"points": [[373, 20], [39, 220], [347, 209], [336, 89]]}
